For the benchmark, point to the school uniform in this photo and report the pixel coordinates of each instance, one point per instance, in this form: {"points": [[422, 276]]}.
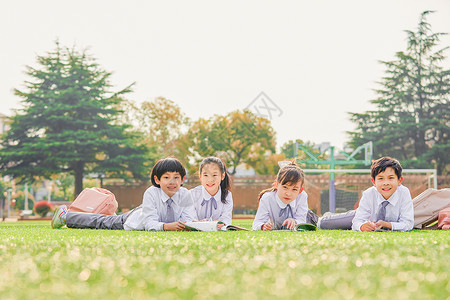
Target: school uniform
{"points": [[272, 208], [399, 210], [157, 208], [211, 207]]}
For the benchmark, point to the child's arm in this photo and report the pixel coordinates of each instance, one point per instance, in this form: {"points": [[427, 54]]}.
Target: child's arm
{"points": [[227, 211], [262, 216], [290, 223], [150, 210], [361, 221], [174, 226], [369, 226], [188, 212], [301, 208]]}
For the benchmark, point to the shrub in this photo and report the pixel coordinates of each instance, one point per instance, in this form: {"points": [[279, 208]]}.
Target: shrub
{"points": [[42, 208]]}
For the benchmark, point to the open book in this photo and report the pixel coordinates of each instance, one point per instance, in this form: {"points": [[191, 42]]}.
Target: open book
{"points": [[305, 227], [209, 226], [301, 227]]}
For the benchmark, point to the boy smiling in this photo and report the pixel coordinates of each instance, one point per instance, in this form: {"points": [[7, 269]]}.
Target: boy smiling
{"points": [[164, 204], [388, 203]]}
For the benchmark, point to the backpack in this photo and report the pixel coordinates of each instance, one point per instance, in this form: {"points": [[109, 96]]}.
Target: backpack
{"points": [[427, 206], [95, 200], [444, 219]]}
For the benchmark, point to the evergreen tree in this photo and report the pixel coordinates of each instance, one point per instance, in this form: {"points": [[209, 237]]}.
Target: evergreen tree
{"points": [[67, 123], [412, 116]]}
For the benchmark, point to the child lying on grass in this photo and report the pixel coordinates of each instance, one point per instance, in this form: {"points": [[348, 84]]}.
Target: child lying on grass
{"points": [[163, 205], [387, 205]]}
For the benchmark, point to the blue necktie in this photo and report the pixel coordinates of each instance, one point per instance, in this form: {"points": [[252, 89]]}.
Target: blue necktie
{"points": [[287, 211], [209, 205], [170, 211], [382, 212]]}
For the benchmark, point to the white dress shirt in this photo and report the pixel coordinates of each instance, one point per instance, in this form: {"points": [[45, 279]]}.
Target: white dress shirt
{"points": [[270, 206], [223, 212], [399, 211], [152, 214]]}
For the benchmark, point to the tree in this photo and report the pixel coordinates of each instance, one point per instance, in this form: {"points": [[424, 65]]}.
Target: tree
{"points": [[412, 116], [161, 125], [238, 137], [161, 122], [67, 123]]}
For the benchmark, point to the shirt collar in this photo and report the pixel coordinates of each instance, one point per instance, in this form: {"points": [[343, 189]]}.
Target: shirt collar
{"points": [[281, 204], [164, 197], [206, 196]]}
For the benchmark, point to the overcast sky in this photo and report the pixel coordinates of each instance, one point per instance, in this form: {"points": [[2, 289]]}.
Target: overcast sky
{"points": [[315, 60]]}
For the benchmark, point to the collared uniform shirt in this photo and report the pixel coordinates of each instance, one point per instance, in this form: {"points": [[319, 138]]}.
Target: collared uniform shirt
{"points": [[152, 214], [270, 206], [399, 211], [223, 212]]}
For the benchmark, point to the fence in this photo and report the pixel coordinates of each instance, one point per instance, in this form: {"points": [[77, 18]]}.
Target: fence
{"points": [[349, 188]]}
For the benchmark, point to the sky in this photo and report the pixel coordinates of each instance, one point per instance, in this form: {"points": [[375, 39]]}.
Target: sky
{"points": [[309, 62]]}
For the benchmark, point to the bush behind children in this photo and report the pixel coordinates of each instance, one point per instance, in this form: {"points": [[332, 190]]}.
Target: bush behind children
{"points": [[387, 205]]}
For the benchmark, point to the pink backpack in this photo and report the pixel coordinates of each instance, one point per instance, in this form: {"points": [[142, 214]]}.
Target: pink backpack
{"points": [[427, 206], [95, 200], [444, 219]]}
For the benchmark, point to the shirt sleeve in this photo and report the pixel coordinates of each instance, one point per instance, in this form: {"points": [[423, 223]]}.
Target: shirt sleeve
{"points": [[227, 211], [406, 217], [302, 208], [262, 214], [150, 211], [363, 212], [188, 213]]}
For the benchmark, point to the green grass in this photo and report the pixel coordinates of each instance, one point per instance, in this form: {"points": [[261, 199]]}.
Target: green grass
{"points": [[37, 262]]}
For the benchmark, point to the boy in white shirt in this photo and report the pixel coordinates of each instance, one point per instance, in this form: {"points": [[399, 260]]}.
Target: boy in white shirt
{"points": [[387, 205], [163, 205]]}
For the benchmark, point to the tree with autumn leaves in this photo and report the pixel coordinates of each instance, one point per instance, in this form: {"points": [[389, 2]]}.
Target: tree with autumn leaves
{"points": [[239, 137]]}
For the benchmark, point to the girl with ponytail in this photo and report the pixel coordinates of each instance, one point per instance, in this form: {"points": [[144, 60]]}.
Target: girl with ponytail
{"points": [[213, 199], [285, 204]]}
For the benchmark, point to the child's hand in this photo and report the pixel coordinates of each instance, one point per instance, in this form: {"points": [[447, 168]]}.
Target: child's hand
{"points": [[267, 226], [369, 226], [382, 223], [290, 223], [174, 226]]}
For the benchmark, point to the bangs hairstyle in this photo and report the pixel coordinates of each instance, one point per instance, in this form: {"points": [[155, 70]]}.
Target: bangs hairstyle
{"points": [[381, 164], [289, 175], [169, 164], [225, 184]]}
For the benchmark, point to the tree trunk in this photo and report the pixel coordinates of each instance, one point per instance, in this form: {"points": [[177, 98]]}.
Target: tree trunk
{"points": [[79, 170]]}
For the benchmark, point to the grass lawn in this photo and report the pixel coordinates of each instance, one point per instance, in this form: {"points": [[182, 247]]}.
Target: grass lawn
{"points": [[37, 262]]}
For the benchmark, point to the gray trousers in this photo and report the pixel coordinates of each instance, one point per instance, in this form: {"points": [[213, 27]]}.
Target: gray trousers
{"points": [[96, 221], [338, 221]]}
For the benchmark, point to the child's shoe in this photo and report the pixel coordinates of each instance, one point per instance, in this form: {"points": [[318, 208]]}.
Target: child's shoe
{"points": [[59, 217]]}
